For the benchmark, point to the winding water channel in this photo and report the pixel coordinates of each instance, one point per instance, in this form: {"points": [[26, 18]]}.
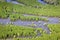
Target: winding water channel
{"points": [[34, 24]]}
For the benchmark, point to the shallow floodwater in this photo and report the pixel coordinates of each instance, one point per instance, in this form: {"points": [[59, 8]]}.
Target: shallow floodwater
{"points": [[41, 1], [53, 20]]}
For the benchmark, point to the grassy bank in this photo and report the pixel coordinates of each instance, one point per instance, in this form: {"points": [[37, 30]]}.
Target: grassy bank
{"points": [[13, 31], [47, 10], [54, 35], [19, 31]]}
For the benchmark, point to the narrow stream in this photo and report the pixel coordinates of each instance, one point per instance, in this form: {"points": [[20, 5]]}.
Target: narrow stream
{"points": [[34, 24], [15, 2]]}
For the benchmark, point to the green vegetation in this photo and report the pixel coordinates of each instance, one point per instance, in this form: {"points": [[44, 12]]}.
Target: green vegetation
{"points": [[5, 9], [15, 17], [3, 0], [29, 2], [32, 7], [15, 13], [54, 35], [55, 28], [47, 10], [13, 31]]}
